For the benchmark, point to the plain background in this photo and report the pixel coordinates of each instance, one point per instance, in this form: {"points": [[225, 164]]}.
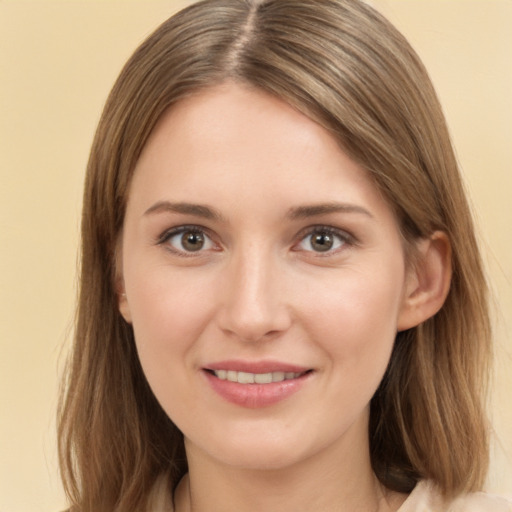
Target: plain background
{"points": [[58, 60]]}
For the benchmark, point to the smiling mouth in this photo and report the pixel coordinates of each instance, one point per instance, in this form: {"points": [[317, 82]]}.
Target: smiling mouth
{"points": [[256, 378], [267, 384]]}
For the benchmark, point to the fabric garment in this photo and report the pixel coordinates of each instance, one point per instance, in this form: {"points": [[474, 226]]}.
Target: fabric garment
{"points": [[424, 498]]}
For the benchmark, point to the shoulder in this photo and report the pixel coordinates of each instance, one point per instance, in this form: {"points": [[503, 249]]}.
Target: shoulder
{"points": [[426, 498], [160, 499], [481, 502]]}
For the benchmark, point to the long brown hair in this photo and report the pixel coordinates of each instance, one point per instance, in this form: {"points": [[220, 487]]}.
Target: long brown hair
{"points": [[347, 68]]}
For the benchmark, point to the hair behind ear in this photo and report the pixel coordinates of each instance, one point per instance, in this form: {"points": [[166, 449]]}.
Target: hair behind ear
{"points": [[428, 280], [428, 418]]}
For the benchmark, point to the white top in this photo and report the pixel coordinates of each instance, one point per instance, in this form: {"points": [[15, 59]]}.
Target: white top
{"points": [[424, 498]]}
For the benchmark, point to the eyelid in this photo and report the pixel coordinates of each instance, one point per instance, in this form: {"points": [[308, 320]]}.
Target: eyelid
{"points": [[346, 237], [164, 237]]}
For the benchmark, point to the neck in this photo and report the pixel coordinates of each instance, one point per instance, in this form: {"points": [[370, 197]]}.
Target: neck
{"points": [[318, 483]]}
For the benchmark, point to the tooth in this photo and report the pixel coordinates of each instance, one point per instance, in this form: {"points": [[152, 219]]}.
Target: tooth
{"points": [[278, 376], [245, 378], [258, 378], [263, 378]]}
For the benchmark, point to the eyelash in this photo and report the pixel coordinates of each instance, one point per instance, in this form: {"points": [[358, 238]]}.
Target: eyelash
{"points": [[180, 230], [344, 238]]}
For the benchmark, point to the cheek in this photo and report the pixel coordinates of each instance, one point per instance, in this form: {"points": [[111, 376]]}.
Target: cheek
{"points": [[354, 319], [169, 312], [169, 315]]}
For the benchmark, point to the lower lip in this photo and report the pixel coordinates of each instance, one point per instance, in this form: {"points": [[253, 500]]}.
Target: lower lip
{"points": [[254, 396]]}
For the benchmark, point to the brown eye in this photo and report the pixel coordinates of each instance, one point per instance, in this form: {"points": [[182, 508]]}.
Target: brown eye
{"points": [[186, 240], [192, 241], [322, 242]]}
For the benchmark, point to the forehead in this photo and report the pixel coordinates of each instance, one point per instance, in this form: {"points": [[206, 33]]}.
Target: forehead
{"points": [[232, 140], [232, 116]]}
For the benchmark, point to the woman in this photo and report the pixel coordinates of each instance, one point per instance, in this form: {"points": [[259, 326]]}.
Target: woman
{"points": [[282, 303]]}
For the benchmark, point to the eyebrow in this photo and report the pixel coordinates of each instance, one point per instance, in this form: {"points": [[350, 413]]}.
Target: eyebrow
{"points": [[295, 213], [198, 210], [303, 212]]}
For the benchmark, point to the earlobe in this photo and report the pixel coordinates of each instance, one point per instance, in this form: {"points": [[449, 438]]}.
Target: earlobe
{"points": [[123, 307], [428, 281], [122, 301]]}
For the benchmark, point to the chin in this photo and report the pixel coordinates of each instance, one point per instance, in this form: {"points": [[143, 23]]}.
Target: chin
{"points": [[257, 453], [261, 459]]}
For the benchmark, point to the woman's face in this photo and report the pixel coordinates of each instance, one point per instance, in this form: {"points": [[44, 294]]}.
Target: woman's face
{"points": [[264, 277]]}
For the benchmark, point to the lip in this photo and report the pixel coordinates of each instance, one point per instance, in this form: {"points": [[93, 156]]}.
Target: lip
{"points": [[255, 396], [256, 366]]}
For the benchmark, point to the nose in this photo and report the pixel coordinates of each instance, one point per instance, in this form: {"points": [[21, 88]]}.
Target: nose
{"points": [[253, 297]]}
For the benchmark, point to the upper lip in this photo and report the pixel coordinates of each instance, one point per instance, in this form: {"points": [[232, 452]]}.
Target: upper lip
{"points": [[256, 366]]}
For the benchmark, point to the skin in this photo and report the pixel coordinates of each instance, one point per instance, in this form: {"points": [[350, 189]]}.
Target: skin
{"points": [[259, 289]]}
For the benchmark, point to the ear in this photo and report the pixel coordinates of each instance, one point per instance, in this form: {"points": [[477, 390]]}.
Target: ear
{"points": [[122, 300], [428, 281]]}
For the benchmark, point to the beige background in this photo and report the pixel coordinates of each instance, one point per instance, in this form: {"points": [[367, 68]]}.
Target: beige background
{"points": [[58, 60]]}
